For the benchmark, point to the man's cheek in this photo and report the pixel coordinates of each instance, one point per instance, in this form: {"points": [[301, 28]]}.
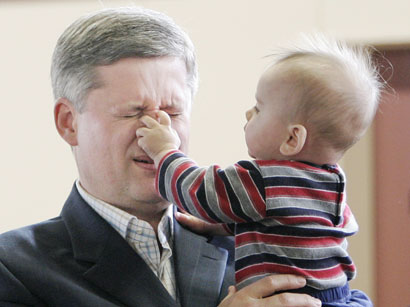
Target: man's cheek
{"points": [[184, 137]]}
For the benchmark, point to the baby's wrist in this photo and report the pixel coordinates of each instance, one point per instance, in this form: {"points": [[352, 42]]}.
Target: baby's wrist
{"points": [[159, 156]]}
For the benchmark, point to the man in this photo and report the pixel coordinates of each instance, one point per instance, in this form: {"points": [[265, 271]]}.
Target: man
{"points": [[116, 242]]}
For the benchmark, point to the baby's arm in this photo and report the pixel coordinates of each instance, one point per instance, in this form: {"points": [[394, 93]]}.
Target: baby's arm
{"points": [[157, 138], [231, 195]]}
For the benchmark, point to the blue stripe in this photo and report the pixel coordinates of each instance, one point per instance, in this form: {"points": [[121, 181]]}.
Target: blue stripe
{"points": [[201, 197], [165, 165], [255, 175], [233, 199], [295, 231], [285, 181], [310, 264], [179, 182], [296, 212]]}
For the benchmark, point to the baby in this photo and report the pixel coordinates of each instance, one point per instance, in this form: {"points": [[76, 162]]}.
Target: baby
{"points": [[287, 207]]}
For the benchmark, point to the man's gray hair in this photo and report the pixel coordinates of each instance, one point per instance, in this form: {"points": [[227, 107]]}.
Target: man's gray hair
{"points": [[108, 35]]}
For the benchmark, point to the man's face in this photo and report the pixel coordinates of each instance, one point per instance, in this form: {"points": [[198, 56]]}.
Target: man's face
{"points": [[111, 165]]}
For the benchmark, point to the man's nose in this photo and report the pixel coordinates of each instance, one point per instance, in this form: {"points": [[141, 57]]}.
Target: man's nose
{"points": [[152, 113]]}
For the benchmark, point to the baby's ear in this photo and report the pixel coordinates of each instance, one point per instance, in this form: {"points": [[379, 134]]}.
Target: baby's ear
{"points": [[295, 140]]}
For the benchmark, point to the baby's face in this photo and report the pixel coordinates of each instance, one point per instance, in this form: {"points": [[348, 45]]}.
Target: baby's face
{"points": [[266, 127]]}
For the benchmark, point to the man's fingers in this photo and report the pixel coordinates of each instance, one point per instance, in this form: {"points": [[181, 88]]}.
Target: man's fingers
{"points": [[287, 282], [292, 299], [191, 222], [199, 226], [163, 118], [273, 283], [262, 293]]}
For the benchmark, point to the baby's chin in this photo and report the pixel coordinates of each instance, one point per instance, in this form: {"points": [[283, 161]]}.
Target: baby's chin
{"points": [[252, 155]]}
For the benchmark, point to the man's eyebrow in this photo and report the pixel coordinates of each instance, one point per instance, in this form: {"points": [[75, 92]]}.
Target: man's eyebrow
{"points": [[133, 105], [172, 105]]}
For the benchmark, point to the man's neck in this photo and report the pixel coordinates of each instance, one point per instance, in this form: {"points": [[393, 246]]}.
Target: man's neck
{"points": [[150, 212], [152, 218]]}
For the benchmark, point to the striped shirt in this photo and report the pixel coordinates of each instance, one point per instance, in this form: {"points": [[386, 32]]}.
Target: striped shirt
{"points": [[287, 216], [141, 237]]}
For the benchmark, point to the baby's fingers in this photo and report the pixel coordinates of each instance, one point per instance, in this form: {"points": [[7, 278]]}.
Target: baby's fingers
{"points": [[141, 131], [149, 121], [163, 118]]}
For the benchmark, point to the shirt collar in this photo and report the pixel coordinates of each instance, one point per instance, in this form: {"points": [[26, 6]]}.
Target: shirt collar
{"points": [[128, 225]]}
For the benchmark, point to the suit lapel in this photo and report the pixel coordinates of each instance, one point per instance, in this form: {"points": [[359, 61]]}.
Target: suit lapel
{"points": [[116, 267], [199, 268], [122, 273]]}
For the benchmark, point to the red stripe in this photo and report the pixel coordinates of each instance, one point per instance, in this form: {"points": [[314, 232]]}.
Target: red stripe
{"points": [[223, 199], [346, 216], [192, 193], [178, 171], [160, 166], [251, 189], [272, 192], [289, 220], [292, 164], [256, 237]]}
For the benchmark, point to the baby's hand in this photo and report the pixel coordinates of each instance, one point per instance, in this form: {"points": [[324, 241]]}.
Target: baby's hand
{"points": [[157, 137]]}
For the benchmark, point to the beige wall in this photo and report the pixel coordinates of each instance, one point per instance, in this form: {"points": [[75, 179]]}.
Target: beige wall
{"points": [[231, 37]]}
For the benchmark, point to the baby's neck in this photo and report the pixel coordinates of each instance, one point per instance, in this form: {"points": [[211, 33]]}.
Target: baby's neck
{"points": [[322, 156]]}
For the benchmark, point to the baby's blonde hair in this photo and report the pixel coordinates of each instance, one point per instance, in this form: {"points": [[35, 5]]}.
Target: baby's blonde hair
{"points": [[335, 88]]}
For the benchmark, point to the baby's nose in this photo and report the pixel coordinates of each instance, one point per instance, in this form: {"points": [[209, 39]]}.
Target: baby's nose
{"points": [[248, 114]]}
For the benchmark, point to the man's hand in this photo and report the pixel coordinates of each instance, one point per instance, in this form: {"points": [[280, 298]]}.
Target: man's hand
{"points": [[261, 293], [157, 137], [199, 226]]}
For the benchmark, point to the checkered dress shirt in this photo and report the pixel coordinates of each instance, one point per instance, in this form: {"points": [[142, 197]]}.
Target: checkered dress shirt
{"points": [[141, 236]]}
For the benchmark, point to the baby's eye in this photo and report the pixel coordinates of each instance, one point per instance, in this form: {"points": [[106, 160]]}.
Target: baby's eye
{"points": [[256, 109]]}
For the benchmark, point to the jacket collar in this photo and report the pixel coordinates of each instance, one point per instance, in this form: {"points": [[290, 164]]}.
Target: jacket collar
{"points": [[120, 271], [115, 266], [200, 268]]}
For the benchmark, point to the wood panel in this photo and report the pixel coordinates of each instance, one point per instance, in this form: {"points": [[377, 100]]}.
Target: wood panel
{"points": [[392, 142]]}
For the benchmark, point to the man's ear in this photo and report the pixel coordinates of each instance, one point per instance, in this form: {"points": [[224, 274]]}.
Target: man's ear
{"points": [[295, 141], [65, 117]]}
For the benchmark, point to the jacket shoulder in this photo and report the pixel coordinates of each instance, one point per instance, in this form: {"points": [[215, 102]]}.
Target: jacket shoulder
{"points": [[22, 253], [32, 238]]}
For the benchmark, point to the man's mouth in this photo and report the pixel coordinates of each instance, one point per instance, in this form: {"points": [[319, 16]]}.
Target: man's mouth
{"points": [[144, 160]]}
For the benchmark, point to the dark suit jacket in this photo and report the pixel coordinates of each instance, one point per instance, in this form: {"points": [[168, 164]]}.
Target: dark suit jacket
{"points": [[78, 259]]}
